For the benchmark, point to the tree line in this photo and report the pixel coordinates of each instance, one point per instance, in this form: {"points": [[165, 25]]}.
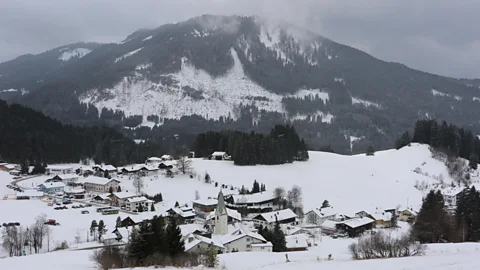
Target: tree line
{"points": [[434, 224], [448, 138], [282, 145], [30, 137]]}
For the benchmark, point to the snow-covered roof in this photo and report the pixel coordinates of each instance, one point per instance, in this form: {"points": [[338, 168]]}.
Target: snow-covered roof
{"points": [[53, 185], [240, 233], [59, 167], [9, 166], [296, 241], [192, 240], [103, 196], [190, 228], [133, 168], [280, 215], [357, 222], [150, 168], [108, 168], [124, 194], [253, 198], [452, 191], [329, 224], [206, 202], [137, 199], [166, 157], [267, 244], [73, 190], [29, 193], [218, 153], [382, 216], [154, 159], [324, 212], [230, 212], [96, 180], [66, 176]]}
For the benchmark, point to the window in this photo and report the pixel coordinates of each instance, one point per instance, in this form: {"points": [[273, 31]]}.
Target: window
{"points": [[248, 239]]}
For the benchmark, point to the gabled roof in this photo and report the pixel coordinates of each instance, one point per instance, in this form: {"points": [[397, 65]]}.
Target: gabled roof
{"points": [[123, 195], [154, 159], [97, 180], [138, 199], [218, 153], [190, 228], [66, 176], [271, 217], [358, 222], [238, 234], [230, 212], [192, 240], [328, 224], [253, 198], [386, 216], [29, 193], [206, 202], [296, 241], [324, 212]]}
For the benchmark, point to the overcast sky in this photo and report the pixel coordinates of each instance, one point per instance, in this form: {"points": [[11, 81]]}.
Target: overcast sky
{"points": [[438, 36]]}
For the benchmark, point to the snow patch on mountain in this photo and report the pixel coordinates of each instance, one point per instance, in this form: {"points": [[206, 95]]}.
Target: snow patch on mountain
{"points": [[476, 99], [9, 90], [143, 66], [68, 54], [340, 80], [317, 116], [365, 103], [187, 92], [437, 93], [353, 139], [148, 38], [127, 55], [197, 33], [310, 93]]}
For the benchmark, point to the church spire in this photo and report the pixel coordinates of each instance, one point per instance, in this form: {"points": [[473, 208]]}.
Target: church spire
{"points": [[221, 208]]}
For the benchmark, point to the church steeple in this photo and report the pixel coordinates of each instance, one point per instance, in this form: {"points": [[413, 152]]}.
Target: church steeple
{"points": [[221, 216]]}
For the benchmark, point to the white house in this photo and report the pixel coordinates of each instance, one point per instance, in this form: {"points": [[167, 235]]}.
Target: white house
{"points": [[67, 179], [51, 169], [285, 216], [29, 194], [296, 242], [51, 187], [220, 155], [135, 202], [260, 200], [99, 184], [243, 240], [112, 171], [195, 243], [450, 195], [319, 215]]}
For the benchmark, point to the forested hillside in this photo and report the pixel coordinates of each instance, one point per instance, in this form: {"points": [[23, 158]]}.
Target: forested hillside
{"points": [[282, 145], [30, 135]]}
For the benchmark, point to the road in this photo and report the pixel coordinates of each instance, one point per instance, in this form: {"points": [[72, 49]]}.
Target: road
{"points": [[16, 181]]}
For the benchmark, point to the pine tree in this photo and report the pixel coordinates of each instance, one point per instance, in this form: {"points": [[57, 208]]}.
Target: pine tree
{"points": [[432, 222], [263, 188], [152, 207], [140, 208], [119, 189], [159, 238], [212, 256], [177, 204], [370, 151], [118, 223], [101, 229], [419, 133], [110, 190], [174, 238], [279, 244], [106, 174], [25, 167], [93, 229], [473, 161], [208, 180], [256, 187], [325, 204], [404, 140], [434, 135]]}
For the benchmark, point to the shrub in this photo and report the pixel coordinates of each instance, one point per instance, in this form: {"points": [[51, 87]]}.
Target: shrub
{"points": [[108, 257], [382, 245]]}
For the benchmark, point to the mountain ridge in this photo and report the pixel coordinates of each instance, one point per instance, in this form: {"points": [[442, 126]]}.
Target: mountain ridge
{"points": [[252, 72]]}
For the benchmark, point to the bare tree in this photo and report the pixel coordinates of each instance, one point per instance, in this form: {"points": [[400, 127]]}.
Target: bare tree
{"points": [[138, 184], [39, 230], [184, 164], [78, 238], [295, 199], [9, 234], [197, 195]]}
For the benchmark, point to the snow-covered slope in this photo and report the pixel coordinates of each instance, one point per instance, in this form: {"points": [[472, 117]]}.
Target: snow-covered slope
{"points": [[194, 91], [67, 53]]}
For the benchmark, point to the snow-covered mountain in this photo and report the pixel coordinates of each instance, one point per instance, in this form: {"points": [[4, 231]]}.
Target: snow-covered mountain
{"points": [[248, 70]]}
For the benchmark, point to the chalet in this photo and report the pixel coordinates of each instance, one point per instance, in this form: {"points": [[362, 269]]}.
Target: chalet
{"points": [[119, 198], [99, 184], [319, 215], [204, 207], [149, 170], [451, 195], [361, 214], [129, 170], [329, 227], [243, 240], [102, 169], [29, 195], [153, 161], [296, 242], [382, 220], [167, 158], [67, 179], [285, 216], [356, 226], [59, 170], [77, 193], [135, 203], [261, 200], [407, 215], [15, 172], [7, 167], [193, 228], [219, 156], [102, 198], [52, 187], [183, 216], [195, 243]]}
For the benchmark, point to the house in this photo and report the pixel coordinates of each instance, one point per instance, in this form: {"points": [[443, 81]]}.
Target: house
{"points": [[329, 227], [361, 214], [195, 243], [382, 220], [59, 170], [260, 200], [29, 195], [99, 184], [153, 161], [149, 170], [134, 203], [296, 242], [407, 215], [77, 193], [204, 207], [219, 156], [319, 215], [356, 226], [67, 179], [285, 216], [52, 187], [222, 216], [451, 195], [167, 158], [102, 198], [7, 167], [102, 169], [166, 164], [15, 172], [183, 215], [119, 198], [194, 228], [129, 170], [243, 240]]}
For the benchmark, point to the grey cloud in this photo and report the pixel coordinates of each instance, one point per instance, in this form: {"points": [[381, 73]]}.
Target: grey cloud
{"points": [[435, 36]]}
